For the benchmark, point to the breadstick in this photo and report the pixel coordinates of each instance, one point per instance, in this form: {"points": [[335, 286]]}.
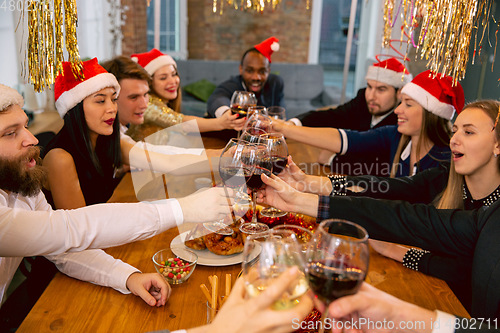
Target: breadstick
{"points": [[204, 289], [228, 284], [215, 291]]}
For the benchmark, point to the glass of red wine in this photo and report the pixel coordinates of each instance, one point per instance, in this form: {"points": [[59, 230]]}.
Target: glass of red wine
{"points": [[337, 261], [241, 101], [233, 174], [258, 162], [278, 149]]}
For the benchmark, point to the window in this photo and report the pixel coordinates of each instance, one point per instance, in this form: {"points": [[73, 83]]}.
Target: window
{"points": [[167, 27]]}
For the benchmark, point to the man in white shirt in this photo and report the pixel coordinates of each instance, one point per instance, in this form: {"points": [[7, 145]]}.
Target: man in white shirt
{"points": [[29, 227]]}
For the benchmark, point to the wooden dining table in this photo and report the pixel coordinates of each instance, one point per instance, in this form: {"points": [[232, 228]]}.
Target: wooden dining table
{"points": [[70, 305]]}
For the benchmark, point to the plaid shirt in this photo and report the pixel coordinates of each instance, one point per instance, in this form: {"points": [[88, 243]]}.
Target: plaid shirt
{"points": [[323, 208]]}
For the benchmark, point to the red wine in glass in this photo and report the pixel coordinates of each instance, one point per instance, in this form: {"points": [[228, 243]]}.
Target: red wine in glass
{"points": [[254, 181], [279, 164], [234, 176], [240, 110], [331, 280]]}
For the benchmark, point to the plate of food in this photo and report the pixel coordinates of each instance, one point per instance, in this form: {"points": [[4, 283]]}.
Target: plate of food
{"points": [[212, 249]]}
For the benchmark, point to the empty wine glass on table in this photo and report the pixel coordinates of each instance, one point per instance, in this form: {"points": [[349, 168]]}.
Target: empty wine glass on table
{"points": [[278, 150], [279, 251], [241, 101], [258, 162], [233, 174], [337, 261], [276, 112]]}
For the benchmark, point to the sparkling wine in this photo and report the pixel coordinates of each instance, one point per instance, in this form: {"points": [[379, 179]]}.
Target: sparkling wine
{"points": [[254, 181], [288, 299], [330, 280]]}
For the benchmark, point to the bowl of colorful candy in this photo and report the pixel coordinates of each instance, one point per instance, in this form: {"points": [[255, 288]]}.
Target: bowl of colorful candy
{"points": [[175, 265]]}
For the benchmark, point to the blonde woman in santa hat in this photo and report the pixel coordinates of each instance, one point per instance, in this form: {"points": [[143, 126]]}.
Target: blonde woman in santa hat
{"points": [[164, 107], [419, 141]]}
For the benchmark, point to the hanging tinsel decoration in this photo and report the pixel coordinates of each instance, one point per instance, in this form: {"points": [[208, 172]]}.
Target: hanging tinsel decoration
{"points": [[46, 38], [446, 30]]}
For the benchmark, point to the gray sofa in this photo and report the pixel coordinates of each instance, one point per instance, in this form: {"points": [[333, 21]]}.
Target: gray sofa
{"points": [[304, 90]]}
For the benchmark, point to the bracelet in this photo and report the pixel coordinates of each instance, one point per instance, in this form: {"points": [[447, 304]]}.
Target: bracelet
{"points": [[412, 258], [339, 184]]}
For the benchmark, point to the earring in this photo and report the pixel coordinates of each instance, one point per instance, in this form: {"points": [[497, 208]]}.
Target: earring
{"points": [[496, 155]]}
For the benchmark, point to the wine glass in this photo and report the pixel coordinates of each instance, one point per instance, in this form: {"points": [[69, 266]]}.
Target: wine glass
{"points": [[279, 251], [258, 118], [252, 134], [279, 156], [257, 161], [337, 261], [232, 173], [304, 236], [241, 101], [276, 112]]}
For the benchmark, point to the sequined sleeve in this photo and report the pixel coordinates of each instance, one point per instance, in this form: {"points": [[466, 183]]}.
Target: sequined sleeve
{"points": [[158, 113]]}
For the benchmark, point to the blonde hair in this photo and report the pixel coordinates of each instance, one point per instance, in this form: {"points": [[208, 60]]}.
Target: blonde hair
{"points": [[452, 196], [175, 104], [434, 128]]}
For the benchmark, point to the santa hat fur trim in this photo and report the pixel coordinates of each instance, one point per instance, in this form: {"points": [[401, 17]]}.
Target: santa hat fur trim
{"points": [[9, 97], [153, 60], [389, 71], [436, 94], [69, 91]]}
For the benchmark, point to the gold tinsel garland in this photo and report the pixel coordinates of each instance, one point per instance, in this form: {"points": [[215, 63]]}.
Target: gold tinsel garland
{"points": [[446, 30], [46, 38]]}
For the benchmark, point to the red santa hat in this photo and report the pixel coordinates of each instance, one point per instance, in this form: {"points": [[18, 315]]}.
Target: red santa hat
{"points": [[436, 93], [267, 47], [153, 60], [9, 97], [69, 91], [389, 71]]}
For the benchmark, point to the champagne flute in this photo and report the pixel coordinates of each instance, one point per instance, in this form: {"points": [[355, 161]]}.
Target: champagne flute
{"points": [[279, 251], [276, 112], [337, 261], [232, 173], [279, 156], [241, 101]]}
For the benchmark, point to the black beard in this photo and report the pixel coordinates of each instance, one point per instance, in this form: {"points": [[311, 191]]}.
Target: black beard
{"points": [[14, 176]]}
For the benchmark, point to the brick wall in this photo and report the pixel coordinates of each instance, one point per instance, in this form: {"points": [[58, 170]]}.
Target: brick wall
{"points": [[135, 29], [212, 36]]}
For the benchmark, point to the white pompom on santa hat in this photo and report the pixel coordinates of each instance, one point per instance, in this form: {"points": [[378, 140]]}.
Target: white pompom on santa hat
{"points": [[389, 71], [436, 93], [69, 91], [153, 60], [9, 97], [267, 47]]}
